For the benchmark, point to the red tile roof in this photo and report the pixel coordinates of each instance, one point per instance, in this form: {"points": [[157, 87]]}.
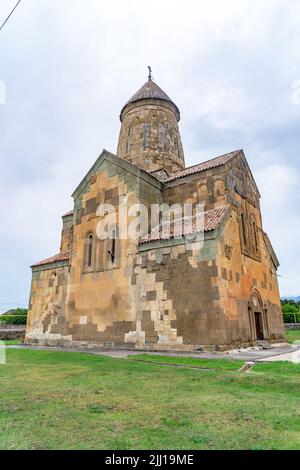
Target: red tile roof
{"points": [[213, 163], [209, 221], [54, 259]]}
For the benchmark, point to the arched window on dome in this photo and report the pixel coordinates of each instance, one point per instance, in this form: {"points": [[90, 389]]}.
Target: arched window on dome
{"points": [[162, 135], [176, 144], [128, 142], [146, 135]]}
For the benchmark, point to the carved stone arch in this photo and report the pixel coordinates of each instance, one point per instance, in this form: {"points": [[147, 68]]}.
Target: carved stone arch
{"points": [[219, 190], [255, 298], [258, 320], [202, 191], [108, 249]]}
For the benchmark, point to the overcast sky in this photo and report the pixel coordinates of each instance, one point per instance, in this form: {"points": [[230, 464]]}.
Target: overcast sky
{"points": [[232, 67]]}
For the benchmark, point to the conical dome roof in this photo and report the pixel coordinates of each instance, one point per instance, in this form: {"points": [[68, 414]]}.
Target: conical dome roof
{"points": [[150, 91]]}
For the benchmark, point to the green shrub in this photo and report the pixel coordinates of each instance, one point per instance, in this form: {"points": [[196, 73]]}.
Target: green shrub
{"points": [[291, 317], [13, 319], [290, 308], [20, 312], [17, 311]]}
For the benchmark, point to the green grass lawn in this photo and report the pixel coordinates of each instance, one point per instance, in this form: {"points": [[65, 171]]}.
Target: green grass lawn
{"points": [[293, 336], [12, 342], [60, 400], [190, 361]]}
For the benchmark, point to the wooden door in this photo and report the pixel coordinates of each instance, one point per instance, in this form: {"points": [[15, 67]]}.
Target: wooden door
{"points": [[258, 326]]}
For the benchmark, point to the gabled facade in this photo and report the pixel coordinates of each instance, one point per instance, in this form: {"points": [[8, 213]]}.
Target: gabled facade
{"points": [[160, 291]]}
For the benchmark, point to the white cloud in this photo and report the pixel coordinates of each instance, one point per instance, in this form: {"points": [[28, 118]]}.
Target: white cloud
{"points": [[295, 98]]}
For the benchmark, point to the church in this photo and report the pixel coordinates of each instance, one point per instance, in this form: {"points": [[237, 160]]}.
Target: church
{"points": [[162, 290]]}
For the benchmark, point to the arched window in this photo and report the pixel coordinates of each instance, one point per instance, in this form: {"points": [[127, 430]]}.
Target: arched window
{"points": [[128, 143], [146, 135], [112, 251], [162, 135], [176, 143], [255, 236], [244, 229], [90, 244]]}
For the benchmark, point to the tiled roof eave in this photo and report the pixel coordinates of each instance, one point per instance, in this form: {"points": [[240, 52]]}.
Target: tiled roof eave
{"points": [[204, 166], [213, 220], [172, 237], [61, 258]]}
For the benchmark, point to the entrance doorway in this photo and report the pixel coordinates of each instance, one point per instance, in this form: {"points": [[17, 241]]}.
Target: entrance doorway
{"points": [[259, 326]]}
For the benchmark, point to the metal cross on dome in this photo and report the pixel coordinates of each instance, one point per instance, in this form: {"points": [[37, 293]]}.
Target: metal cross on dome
{"points": [[150, 73]]}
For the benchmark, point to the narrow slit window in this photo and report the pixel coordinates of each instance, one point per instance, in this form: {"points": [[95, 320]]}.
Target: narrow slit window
{"points": [[146, 135], [255, 237], [112, 251], [244, 229], [162, 139], [175, 138], [128, 143], [176, 142], [90, 250]]}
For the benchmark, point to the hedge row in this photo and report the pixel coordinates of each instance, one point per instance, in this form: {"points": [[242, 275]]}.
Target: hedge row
{"points": [[13, 319], [291, 317]]}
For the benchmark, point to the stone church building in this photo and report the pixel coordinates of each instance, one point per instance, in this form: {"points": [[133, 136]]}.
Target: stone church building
{"points": [[160, 292]]}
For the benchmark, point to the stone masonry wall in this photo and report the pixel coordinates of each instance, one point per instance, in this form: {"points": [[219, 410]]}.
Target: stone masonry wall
{"points": [[47, 306], [207, 188], [150, 138], [67, 233], [12, 334], [177, 297], [99, 305], [240, 276]]}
